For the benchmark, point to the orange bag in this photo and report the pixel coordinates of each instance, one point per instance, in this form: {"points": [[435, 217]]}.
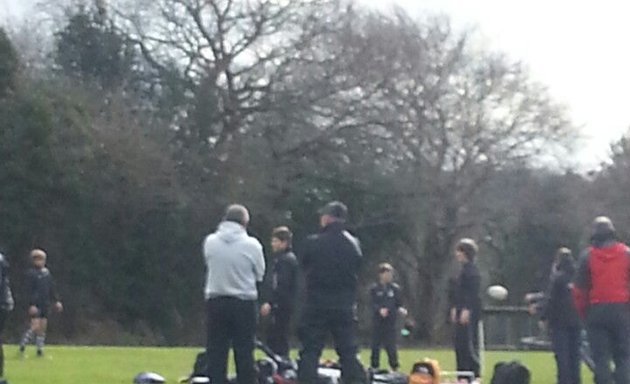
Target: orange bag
{"points": [[426, 371]]}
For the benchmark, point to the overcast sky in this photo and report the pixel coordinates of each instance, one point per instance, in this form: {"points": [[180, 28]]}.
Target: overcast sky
{"points": [[578, 48]]}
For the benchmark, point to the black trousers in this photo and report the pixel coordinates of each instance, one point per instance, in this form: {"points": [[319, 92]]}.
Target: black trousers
{"points": [[384, 335], [566, 348], [608, 327], [279, 330], [3, 319], [315, 325], [467, 346], [231, 322]]}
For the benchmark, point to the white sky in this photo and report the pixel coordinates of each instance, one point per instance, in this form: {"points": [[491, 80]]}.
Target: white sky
{"points": [[578, 48]]}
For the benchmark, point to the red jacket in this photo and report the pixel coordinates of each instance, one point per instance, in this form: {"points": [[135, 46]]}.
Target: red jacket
{"points": [[603, 276]]}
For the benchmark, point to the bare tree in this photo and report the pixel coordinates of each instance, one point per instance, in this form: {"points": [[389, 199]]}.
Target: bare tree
{"points": [[443, 117], [224, 54]]}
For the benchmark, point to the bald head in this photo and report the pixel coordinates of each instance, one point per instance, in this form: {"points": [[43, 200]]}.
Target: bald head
{"points": [[238, 214]]}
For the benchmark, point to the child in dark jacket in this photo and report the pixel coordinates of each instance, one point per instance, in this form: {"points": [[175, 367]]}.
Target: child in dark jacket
{"points": [[281, 289], [42, 293], [386, 300]]}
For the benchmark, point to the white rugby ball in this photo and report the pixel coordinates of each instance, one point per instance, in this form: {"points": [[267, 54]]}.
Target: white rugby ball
{"points": [[497, 292]]}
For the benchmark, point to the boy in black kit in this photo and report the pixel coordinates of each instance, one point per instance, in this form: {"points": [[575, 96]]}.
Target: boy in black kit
{"points": [[386, 304], [42, 292], [466, 311], [281, 283]]}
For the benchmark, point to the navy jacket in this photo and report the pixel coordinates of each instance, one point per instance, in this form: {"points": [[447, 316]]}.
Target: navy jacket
{"points": [[385, 296], [466, 295], [41, 287], [331, 261], [559, 309], [280, 285], [6, 297]]}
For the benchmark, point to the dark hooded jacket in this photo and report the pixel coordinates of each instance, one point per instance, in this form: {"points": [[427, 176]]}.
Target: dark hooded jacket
{"points": [[559, 308]]}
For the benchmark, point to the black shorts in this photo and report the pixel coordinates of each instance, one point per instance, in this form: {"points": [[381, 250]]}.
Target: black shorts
{"points": [[42, 312]]}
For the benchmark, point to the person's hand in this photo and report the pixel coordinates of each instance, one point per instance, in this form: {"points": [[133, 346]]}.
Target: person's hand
{"points": [[265, 309], [384, 312], [464, 317], [542, 325], [58, 306], [33, 311], [403, 311], [453, 316]]}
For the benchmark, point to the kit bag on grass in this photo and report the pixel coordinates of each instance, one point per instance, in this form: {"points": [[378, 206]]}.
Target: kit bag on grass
{"points": [[201, 365], [387, 377], [512, 372]]}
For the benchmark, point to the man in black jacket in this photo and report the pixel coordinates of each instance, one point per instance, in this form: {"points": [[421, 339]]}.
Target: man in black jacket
{"points": [[281, 287], [331, 261]]}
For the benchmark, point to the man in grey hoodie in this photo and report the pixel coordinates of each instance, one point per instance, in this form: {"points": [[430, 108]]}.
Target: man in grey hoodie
{"points": [[234, 264]]}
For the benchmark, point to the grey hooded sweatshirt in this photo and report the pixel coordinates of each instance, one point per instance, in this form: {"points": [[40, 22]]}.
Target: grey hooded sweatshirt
{"points": [[234, 263]]}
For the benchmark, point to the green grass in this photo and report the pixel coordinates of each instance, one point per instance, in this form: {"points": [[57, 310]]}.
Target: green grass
{"points": [[107, 365]]}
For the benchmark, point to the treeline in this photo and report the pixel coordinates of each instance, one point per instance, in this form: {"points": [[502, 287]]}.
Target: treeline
{"points": [[124, 140]]}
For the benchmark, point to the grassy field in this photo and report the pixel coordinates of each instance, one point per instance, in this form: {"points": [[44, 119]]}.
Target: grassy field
{"points": [[108, 365]]}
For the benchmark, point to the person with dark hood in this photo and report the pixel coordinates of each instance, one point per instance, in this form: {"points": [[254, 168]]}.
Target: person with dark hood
{"points": [[280, 292], [466, 312], [331, 261], [602, 296], [560, 314]]}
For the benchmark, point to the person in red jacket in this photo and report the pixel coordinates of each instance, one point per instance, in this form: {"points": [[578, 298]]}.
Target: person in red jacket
{"points": [[602, 297]]}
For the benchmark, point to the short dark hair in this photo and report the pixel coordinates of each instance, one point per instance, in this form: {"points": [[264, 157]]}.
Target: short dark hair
{"points": [[335, 209], [282, 233], [468, 247], [237, 213]]}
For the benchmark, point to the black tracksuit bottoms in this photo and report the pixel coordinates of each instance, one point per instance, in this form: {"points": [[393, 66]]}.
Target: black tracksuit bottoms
{"points": [[279, 331], [315, 325], [384, 334], [231, 322], [467, 347], [608, 327], [566, 348], [3, 318]]}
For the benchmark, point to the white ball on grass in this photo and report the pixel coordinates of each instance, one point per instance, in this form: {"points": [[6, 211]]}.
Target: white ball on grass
{"points": [[497, 292]]}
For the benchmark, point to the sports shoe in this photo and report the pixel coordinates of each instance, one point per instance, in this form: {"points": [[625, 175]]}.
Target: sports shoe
{"points": [[40, 353]]}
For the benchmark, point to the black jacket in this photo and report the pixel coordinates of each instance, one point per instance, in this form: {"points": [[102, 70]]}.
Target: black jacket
{"points": [[385, 296], [6, 298], [467, 288], [280, 285], [331, 261], [559, 308], [41, 287]]}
